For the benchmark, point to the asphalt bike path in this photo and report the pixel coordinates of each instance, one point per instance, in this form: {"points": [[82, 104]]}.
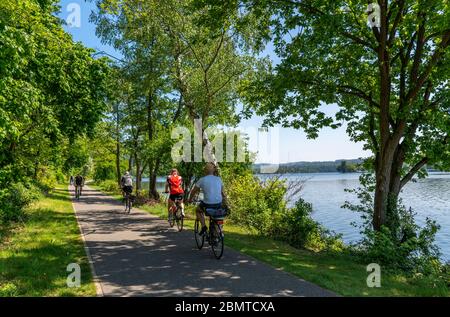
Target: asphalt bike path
{"points": [[138, 254]]}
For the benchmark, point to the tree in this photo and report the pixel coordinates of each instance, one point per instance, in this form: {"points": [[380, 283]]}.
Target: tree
{"points": [[51, 89], [390, 82], [182, 70]]}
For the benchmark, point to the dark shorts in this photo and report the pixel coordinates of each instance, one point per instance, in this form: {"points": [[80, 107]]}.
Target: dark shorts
{"points": [[173, 197], [128, 189], [213, 206]]}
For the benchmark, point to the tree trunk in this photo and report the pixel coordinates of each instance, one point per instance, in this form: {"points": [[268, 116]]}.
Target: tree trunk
{"points": [[153, 192], [388, 184], [130, 163], [149, 115], [118, 171], [384, 156], [383, 182], [118, 162], [138, 168]]}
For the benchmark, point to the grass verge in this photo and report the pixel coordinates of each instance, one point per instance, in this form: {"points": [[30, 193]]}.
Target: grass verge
{"points": [[34, 255], [338, 272]]}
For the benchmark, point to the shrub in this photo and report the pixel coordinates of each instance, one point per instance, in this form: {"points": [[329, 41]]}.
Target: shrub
{"points": [[14, 199], [110, 186], [9, 290], [261, 206], [253, 203], [60, 177], [105, 171], [415, 253], [46, 179], [296, 227], [401, 244]]}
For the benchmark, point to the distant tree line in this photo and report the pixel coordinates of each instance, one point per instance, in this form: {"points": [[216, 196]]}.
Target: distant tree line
{"points": [[344, 166]]}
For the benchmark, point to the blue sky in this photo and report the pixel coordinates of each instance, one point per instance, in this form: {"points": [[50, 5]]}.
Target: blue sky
{"points": [[291, 145]]}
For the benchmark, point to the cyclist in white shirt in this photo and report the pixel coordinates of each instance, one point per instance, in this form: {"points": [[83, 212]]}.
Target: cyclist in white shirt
{"points": [[126, 182], [213, 193]]}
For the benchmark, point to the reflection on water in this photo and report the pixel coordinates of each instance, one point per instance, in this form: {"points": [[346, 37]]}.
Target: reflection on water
{"points": [[428, 197]]}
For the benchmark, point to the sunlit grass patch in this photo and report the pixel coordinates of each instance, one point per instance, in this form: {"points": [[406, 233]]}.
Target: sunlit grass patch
{"points": [[34, 257]]}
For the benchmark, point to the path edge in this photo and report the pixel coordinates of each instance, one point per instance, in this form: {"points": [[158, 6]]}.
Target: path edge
{"points": [[95, 279]]}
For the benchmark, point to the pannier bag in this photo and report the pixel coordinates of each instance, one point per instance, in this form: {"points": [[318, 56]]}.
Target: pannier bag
{"points": [[216, 213]]}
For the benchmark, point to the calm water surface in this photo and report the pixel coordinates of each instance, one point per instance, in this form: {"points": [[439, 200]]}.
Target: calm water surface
{"points": [[428, 197]]}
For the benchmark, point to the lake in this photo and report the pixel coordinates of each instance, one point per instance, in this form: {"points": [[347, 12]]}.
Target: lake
{"points": [[428, 197]]}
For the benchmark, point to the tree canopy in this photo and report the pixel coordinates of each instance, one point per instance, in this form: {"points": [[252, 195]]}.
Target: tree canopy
{"points": [[51, 90], [390, 82]]}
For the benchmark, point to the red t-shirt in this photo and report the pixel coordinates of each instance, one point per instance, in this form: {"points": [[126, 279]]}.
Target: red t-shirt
{"points": [[175, 184]]}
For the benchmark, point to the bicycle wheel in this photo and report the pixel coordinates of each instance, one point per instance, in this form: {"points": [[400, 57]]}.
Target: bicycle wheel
{"points": [[199, 240], [171, 217], [216, 240], [129, 204]]}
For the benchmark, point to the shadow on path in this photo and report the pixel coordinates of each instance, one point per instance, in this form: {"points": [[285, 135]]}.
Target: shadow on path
{"points": [[139, 255]]}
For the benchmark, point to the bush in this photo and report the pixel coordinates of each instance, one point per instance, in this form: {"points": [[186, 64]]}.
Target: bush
{"points": [[46, 179], [296, 227], [401, 244], [254, 203], [104, 172], [61, 177], [14, 199], [415, 253], [9, 290], [110, 186]]}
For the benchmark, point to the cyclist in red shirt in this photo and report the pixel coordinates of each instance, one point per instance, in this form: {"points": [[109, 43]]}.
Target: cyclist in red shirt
{"points": [[175, 184]]}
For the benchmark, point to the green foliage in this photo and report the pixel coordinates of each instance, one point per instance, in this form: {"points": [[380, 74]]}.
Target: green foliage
{"points": [[401, 244], [345, 167], [109, 186], [9, 290], [104, 171], [253, 203], [389, 83], [46, 179], [14, 200], [296, 227], [52, 92]]}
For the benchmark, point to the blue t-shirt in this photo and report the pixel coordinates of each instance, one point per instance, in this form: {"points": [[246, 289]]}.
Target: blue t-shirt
{"points": [[212, 189]]}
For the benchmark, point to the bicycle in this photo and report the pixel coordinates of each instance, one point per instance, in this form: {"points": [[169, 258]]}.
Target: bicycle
{"points": [[77, 191], [176, 215], [214, 233], [128, 201]]}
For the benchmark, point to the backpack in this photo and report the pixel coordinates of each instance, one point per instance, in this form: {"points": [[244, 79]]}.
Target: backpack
{"points": [[127, 181]]}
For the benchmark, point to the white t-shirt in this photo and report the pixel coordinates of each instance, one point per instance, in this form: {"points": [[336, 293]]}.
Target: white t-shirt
{"points": [[212, 189]]}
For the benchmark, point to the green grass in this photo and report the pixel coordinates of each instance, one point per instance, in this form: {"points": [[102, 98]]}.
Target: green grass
{"points": [[34, 255], [338, 272]]}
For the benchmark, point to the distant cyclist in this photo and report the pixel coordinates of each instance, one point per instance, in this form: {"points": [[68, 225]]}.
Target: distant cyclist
{"points": [[79, 183], [213, 193], [126, 183], [175, 184]]}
